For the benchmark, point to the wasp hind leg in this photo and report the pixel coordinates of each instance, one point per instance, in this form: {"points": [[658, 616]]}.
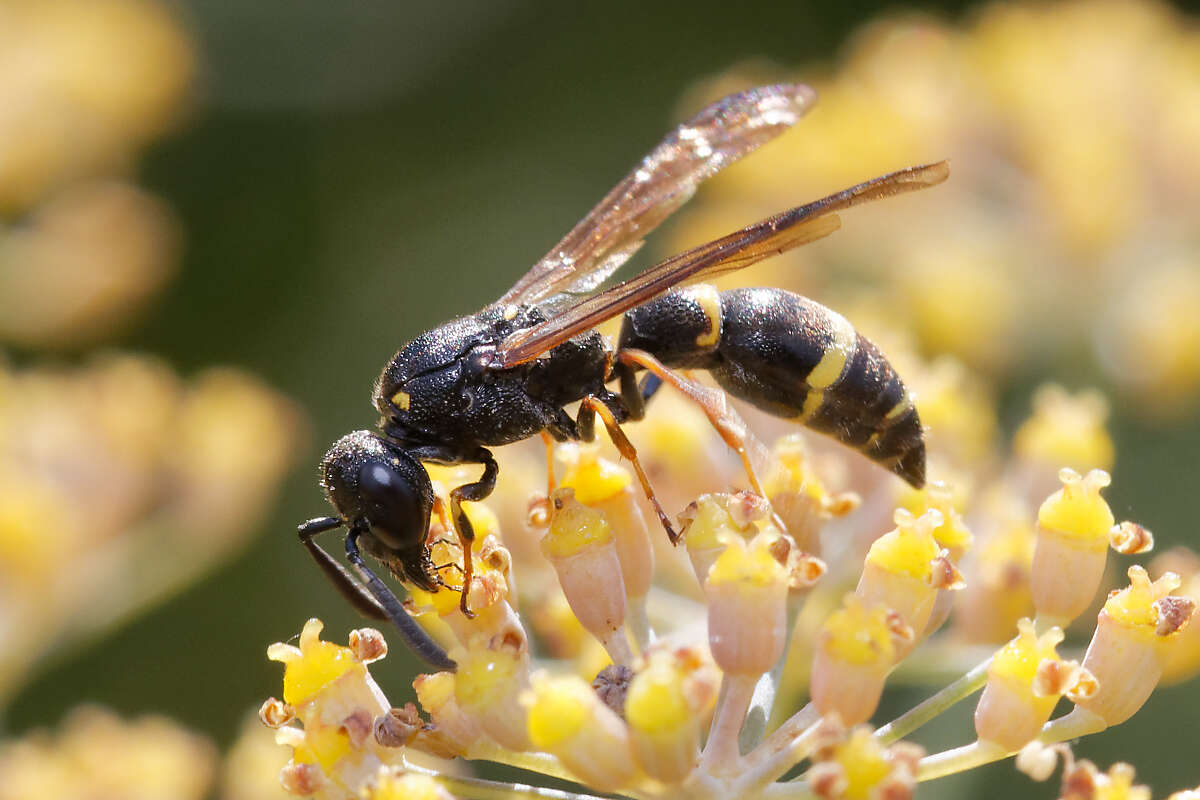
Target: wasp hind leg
{"points": [[723, 418], [588, 409]]}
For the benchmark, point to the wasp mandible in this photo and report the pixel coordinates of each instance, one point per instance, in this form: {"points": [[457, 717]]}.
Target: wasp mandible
{"points": [[507, 372]]}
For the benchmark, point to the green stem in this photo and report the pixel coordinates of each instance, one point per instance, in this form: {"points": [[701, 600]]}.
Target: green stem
{"points": [[721, 749], [479, 789], [1080, 722], [918, 715], [544, 763], [767, 688]]}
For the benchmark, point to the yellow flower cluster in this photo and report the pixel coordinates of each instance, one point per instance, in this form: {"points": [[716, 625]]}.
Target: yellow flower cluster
{"points": [[1070, 217], [741, 606], [119, 483], [596, 652], [83, 88]]}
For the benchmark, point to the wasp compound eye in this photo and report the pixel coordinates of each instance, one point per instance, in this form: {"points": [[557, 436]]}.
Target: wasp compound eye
{"points": [[386, 492]]}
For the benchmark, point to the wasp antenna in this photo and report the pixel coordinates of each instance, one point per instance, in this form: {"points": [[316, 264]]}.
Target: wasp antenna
{"points": [[413, 634]]}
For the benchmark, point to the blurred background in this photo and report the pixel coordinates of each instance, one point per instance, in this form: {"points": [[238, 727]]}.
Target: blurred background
{"points": [[218, 220]]}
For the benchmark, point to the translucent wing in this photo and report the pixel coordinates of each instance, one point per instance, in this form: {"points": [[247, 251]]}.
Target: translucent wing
{"points": [[664, 180], [734, 251]]}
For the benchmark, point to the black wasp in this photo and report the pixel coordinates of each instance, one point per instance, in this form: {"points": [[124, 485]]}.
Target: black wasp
{"points": [[507, 372]]}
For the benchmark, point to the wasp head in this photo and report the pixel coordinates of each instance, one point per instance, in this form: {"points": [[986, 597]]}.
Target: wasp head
{"points": [[378, 488]]}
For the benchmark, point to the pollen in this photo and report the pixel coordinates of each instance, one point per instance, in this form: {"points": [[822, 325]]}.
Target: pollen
{"points": [[856, 634], [574, 527], [558, 710], [751, 564], [1019, 658], [594, 479], [910, 548], [1077, 510], [656, 703], [313, 666]]}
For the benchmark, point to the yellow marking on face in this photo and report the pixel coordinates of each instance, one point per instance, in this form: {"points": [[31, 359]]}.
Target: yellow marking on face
{"points": [[710, 303], [401, 400], [842, 346], [812, 402], [510, 312]]}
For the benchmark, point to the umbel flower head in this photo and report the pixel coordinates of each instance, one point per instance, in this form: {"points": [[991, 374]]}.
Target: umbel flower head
{"points": [[704, 696], [750, 660]]}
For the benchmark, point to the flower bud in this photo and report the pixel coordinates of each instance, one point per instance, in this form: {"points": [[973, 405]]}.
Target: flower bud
{"points": [[1134, 632], [663, 712], [406, 786], [1065, 429], [905, 568], [747, 606], [1025, 680], [580, 545], [568, 720], [486, 686], [608, 488], [856, 649], [708, 524], [1183, 657], [799, 497], [1072, 546], [454, 727], [861, 767]]}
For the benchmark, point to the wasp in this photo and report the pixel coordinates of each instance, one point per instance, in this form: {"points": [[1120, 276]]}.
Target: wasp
{"points": [[508, 372]]}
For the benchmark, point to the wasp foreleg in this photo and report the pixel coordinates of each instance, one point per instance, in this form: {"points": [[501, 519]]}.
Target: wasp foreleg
{"points": [[413, 634], [471, 492]]}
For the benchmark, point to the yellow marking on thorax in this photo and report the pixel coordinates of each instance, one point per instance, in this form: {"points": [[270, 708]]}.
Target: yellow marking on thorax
{"points": [[401, 400], [842, 346], [709, 301]]}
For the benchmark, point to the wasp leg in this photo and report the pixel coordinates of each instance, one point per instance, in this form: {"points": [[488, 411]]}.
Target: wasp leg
{"points": [[724, 419], [470, 492], [588, 409], [413, 634], [358, 597], [548, 441]]}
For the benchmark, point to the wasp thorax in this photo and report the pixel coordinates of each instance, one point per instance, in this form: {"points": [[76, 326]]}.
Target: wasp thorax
{"points": [[381, 489]]}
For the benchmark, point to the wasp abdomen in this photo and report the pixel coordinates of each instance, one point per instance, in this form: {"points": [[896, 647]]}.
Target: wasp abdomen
{"points": [[791, 357]]}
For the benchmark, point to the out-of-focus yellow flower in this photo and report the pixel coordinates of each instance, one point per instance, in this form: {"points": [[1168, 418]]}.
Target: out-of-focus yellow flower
{"points": [[83, 85], [83, 263], [251, 768], [97, 754], [1069, 218], [120, 482], [83, 88]]}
